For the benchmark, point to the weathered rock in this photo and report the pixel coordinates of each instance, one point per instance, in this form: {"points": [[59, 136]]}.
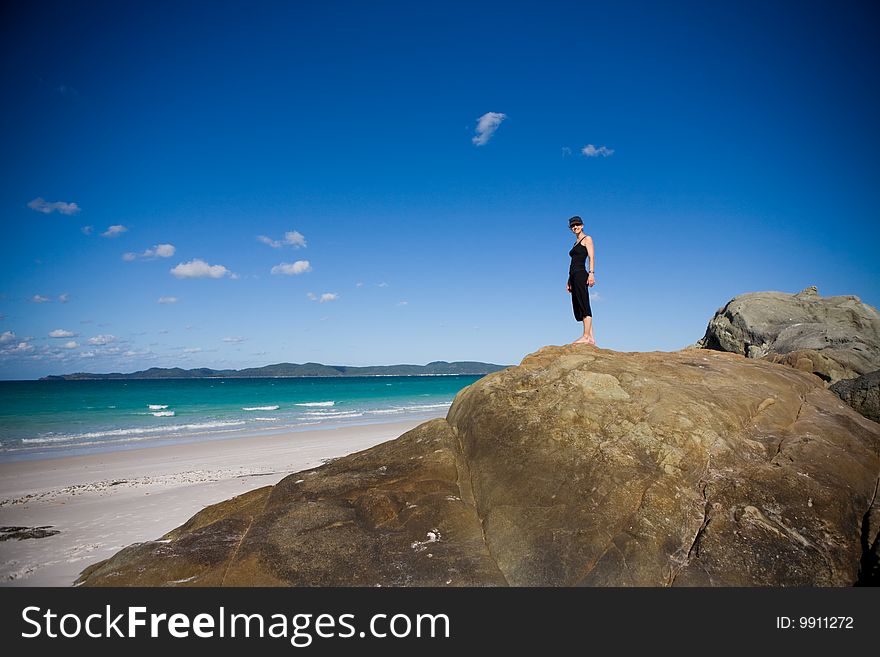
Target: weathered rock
{"points": [[863, 394], [579, 467], [833, 337]]}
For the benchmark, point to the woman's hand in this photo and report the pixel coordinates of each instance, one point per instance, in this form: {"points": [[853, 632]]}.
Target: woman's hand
{"points": [[568, 287], [591, 280]]}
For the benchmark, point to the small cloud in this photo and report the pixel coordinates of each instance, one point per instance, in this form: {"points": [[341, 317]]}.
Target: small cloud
{"points": [[63, 298], [595, 296], [290, 269], [87, 354], [295, 239], [383, 284], [23, 347], [486, 127], [166, 300], [358, 284], [7, 336], [234, 338], [403, 303], [292, 238], [311, 296], [46, 207], [87, 230], [102, 339], [114, 231], [200, 269], [328, 296], [158, 251], [566, 151], [591, 151], [70, 345], [61, 333], [275, 244], [192, 350], [39, 298]]}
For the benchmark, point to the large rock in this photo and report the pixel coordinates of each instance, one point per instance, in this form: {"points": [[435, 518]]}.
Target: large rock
{"points": [[833, 337], [863, 394], [579, 467]]}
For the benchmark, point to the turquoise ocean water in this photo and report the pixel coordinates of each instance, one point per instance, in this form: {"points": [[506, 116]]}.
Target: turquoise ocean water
{"points": [[56, 418]]}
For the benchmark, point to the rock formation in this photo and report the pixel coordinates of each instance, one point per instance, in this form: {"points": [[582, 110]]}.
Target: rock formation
{"points": [[833, 337], [581, 466], [863, 394]]}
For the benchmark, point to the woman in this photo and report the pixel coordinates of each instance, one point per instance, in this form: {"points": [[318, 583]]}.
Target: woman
{"points": [[580, 279]]}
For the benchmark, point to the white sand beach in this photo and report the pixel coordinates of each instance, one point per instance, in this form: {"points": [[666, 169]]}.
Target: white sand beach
{"points": [[101, 503]]}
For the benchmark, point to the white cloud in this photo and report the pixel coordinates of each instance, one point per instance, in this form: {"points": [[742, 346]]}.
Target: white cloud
{"points": [[46, 207], [63, 298], [200, 269], [383, 284], [291, 238], [87, 354], [311, 296], [591, 151], [275, 244], [290, 269], [158, 251], [295, 239], [70, 345], [87, 230], [234, 338], [403, 303], [39, 298], [102, 339], [486, 126], [21, 348], [566, 151], [7, 336], [192, 350], [61, 333], [166, 300], [328, 296], [114, 231], [359, 284]]}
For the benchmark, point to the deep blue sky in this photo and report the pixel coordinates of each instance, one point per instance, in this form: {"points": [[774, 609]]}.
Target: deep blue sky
{"points": [[744, 152]]}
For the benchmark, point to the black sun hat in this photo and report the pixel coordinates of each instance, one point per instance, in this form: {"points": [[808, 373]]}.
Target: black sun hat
{"points": [[575, 221]]}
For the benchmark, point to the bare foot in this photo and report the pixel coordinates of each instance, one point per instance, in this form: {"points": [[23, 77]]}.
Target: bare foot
{"points": [[582, 340]]}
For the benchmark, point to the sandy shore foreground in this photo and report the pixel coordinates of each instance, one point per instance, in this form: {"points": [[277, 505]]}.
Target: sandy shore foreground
{"points": [[101, 503]]}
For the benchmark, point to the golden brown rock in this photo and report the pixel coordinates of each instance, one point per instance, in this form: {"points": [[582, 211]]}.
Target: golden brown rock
{"points": [[579, 467]]}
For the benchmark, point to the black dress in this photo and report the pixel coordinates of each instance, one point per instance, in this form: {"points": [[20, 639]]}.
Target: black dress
{"points": [[577, 280]]}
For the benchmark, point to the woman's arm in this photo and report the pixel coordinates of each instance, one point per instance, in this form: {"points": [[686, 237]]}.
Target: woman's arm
{"points": [[592, 253]]}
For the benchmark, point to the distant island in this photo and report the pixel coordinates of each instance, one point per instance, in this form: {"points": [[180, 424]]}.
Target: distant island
{"points": [[436, 368]]}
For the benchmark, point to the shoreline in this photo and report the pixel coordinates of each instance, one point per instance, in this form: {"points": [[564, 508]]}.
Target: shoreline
{"points": [[20, 455], [101, 502]]}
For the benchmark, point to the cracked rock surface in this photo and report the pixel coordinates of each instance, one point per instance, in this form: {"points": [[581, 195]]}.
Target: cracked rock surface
{"points": [[581, 466]]}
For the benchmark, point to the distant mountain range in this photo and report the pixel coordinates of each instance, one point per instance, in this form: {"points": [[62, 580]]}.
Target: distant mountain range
{"points": [[438, 367]]}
